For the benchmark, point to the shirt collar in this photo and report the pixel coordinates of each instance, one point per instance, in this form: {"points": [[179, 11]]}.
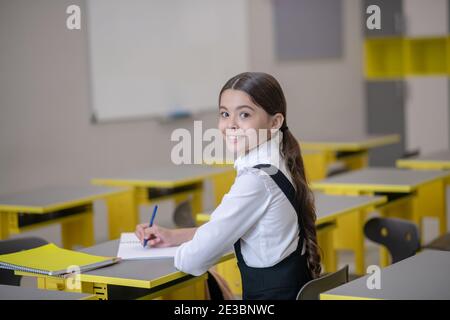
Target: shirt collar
{"points": [[266, 153]]}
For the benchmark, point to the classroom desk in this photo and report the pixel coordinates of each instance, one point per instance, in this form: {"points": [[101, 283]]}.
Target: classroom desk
{"points": [[160, 183], [23, 293], [131, 279], [71, 206], [316, 164], [421, 277], [352, 150], [411, 195], [439, 160], [328, 209]]}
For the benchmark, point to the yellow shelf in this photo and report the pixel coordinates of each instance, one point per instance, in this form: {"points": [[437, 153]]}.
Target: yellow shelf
{"points": [[426, 56], [399, 57], [384, 57], [447, 57]]}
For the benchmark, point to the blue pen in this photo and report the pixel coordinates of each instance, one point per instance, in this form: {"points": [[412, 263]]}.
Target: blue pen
{"points": [[151, 223]]}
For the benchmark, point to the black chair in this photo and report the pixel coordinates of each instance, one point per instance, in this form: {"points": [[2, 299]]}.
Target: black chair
{"points": [[313, 289], [183, 217], [410, 154], [7, 277], [400, 237]]}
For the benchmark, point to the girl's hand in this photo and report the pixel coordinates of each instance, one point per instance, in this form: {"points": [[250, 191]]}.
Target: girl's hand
{"points": [[159, 237]]}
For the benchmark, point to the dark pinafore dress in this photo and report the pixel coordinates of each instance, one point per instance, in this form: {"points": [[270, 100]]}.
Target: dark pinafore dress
{"points": [[283, 280]]}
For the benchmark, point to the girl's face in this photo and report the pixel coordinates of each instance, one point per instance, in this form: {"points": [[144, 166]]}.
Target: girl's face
{"points": [[240, 121]]}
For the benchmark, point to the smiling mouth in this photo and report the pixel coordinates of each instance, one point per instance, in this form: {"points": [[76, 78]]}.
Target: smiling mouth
{"points": [[234, 138]]}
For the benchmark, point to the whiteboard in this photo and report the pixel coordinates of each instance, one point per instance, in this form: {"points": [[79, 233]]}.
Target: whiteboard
{"points": [[159, 57]]}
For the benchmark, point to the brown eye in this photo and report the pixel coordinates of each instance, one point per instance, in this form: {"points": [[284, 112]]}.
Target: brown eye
{"points": [[244, 115]]}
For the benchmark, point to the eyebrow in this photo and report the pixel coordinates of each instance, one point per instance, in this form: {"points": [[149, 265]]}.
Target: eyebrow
{"points": [[239, 107]]}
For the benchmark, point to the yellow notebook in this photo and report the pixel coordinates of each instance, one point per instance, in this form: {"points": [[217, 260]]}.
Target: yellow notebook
{"points": [[51, 260]]}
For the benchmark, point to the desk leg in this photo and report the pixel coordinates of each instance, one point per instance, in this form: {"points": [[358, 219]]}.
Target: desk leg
{"points": [[317, 163], [431, 202], [325, 238], [193, 289], [230, 272], [122, 213], [79, 231], [8, 224], [222, 184], [47, 283], [357, 161], [100, 290], [4, 225], [197, 201], [41, 283], [349, 235]]}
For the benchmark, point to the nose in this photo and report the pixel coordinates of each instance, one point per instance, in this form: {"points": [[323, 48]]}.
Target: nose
{"points": [[231, 124]]}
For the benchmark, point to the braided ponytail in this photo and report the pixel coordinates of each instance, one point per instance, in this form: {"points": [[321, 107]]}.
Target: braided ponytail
{"points": [[294, 162]]}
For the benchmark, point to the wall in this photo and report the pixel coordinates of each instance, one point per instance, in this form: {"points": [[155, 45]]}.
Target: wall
{"points": [[323, 95]]}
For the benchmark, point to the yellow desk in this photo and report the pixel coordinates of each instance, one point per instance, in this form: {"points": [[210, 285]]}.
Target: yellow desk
{"points": [[69, 206], [411, 195], [421, 277], [130, 279], [320, 152], [170, 182], [439, 160], [328, 209], [317, 163]]}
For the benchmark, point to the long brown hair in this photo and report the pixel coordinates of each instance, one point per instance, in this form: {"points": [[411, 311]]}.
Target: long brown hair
{"points": [[266, 92]]}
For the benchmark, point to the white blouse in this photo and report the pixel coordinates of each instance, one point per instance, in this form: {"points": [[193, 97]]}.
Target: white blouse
{"points": [[255, 210]]}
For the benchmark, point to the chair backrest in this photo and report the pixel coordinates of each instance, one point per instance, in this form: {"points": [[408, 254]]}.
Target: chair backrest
{"points": [[410, 154], [7, 277], [400, 237], [183, 217], [313, 289]]}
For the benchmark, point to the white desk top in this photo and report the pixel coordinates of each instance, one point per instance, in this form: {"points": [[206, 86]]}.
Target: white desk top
{"points": [[329, 206], [164, 176], [381, 179], [421, 277], [47, 199]]}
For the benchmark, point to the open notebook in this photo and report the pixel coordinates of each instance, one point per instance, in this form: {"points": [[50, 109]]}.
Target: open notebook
{"points": [[130, 248], [51, 260]]}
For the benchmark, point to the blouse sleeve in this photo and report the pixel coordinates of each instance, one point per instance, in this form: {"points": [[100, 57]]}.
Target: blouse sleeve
{"points": [[247, 200]]}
